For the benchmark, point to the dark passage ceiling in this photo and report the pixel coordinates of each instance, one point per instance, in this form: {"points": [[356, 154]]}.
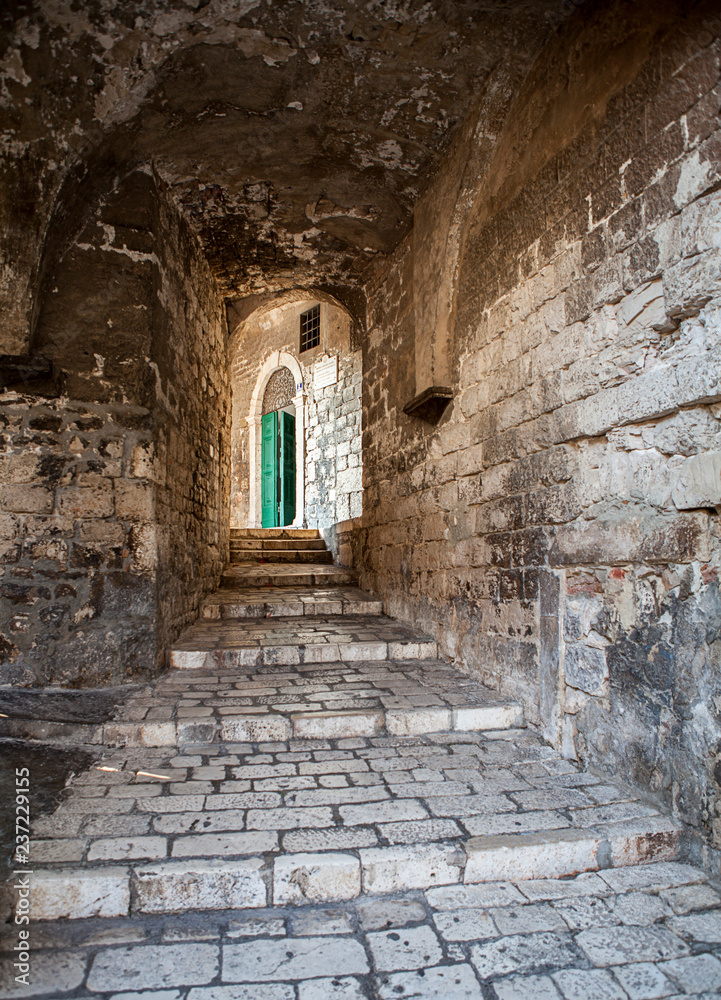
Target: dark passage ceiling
{"points": [[296, 136]]}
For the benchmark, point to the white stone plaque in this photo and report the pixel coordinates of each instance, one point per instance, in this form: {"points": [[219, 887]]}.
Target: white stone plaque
{"points": [[325, 372]]}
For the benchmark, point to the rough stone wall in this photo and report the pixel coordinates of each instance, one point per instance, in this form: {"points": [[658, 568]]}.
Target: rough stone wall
{"points": [[559, 530], [333, 486], [113, 481]]}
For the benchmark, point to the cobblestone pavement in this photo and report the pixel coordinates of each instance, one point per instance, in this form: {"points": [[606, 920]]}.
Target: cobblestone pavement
{"points": [[636, 933], [316, 821]]}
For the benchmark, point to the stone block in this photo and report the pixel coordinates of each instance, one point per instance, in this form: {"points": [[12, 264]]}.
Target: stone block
{"points": [[125, 849], [415, 721], [476, 718], [90, 501], [547, 854], [698, 482], [78, 893], [183, 886], [322, 725], [638, 841], [56, 973], [585, 667], [153, 967], [25, 499], [394, 869], [309, 958], [315, 878], [134, 501], [255, 728]]}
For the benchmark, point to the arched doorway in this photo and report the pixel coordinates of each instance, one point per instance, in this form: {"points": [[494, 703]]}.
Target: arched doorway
{"points": [[278, 452], [276, 423]]}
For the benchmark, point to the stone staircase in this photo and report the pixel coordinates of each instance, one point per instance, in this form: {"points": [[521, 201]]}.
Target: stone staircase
{"points": [[308, 749], [282, 557]]}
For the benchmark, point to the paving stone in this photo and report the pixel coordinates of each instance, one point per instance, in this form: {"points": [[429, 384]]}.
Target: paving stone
{"points": [[328, 840], [522, 953], [224, 844], [580, 984], [421, 830], [526, 988], [288, 819], [585, 912], [203, 822], [152, 967], [464, 925], [331, 989], [643, 981], [656, 876], [313, 921], [256, 926], [489, 826], [302, 878], [304, 958], [616, 945], [122, 848], [638, 908], [452, 982], [687, 898], [55, 973], [484, 895], [699, 926], [177, 886], [405, 948], [273, 991], [383, 812], [527, 919], [695, 973], [148, 995], [377, 914], [585, 884]]}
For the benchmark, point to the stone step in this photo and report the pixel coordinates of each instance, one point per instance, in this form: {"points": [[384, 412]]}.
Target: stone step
{"points": [[276, 544], [283, 556], [319, 700], [265, 533], [288, 575], [285, 642], [244, 825], [271, 602]]}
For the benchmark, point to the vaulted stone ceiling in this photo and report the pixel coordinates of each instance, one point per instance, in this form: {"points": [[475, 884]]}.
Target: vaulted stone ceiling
{"points": [[295, 136]]}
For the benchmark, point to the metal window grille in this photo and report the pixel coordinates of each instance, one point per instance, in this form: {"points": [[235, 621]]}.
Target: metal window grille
{"points": [[310, 328]]}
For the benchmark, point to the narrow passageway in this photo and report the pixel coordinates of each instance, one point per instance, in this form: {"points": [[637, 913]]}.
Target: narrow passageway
{"points": [[312, 794], [360, 485]]}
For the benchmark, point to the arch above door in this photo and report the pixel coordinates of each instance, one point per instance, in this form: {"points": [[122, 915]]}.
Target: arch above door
{"points": [[277, 360]]}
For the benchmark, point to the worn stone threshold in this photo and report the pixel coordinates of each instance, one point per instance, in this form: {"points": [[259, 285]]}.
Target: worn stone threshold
{"points": [[287, 823], [271, 602]]}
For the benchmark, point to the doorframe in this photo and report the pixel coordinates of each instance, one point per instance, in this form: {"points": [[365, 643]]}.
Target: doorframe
{"points": [[278, 359]]}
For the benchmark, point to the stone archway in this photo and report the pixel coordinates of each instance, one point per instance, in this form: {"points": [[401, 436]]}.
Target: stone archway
{"points": [[276, 361]]}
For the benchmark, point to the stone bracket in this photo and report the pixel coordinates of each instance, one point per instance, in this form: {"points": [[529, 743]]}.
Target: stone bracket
{"points": [[430, 404]]}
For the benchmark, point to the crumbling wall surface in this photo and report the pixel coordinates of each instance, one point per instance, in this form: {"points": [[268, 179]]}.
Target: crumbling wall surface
{"points": [[559, 530], [112, 482]]}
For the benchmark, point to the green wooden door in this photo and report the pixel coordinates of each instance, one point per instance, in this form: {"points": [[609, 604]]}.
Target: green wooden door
{"points": [[269, 469], [287, 468]]}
